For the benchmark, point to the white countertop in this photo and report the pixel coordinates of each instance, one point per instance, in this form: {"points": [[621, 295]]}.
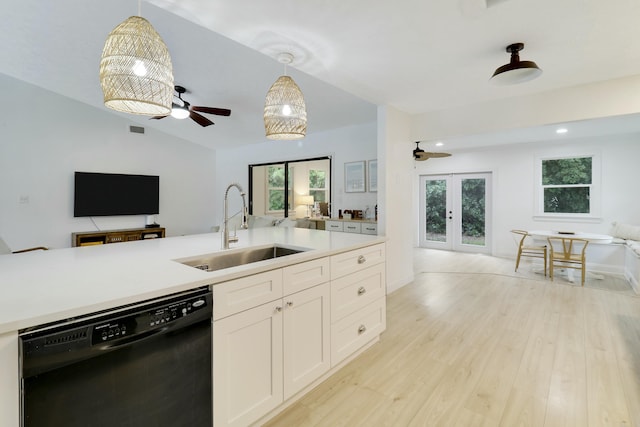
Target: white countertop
{"points": [[46, 286]]}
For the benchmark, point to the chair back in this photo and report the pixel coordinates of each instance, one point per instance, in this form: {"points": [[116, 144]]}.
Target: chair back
{"points": [[519, 236], [568, 248]]}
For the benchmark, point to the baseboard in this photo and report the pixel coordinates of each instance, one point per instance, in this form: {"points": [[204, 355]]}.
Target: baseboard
{"points": [[397, 284]]}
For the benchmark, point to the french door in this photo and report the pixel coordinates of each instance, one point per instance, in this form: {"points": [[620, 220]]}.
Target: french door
{"points": [[455, 212]]}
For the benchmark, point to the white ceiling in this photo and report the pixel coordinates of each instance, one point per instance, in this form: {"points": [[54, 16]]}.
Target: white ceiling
{"points": [[415, 55]]}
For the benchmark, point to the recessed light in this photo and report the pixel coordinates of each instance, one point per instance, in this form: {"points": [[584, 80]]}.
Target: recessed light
{"points": [[439, 144], [562, 130]]}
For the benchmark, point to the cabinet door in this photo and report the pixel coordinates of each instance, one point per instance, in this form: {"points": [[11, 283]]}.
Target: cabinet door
{"points": [[247, 365], [299, 277], [334, 226], [368, 228], [244, 293], [356, 260], [357, 329], [352, 227], [354, 291], [306, 338]]}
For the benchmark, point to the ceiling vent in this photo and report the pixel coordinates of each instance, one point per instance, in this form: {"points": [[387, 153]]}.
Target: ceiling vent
{"points": [[136, 129]]}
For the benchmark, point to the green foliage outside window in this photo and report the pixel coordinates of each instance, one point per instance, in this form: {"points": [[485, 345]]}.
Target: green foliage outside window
{"points": [[567, 185], [473, 211], [317, 185], [436, 210], [275, 183]]}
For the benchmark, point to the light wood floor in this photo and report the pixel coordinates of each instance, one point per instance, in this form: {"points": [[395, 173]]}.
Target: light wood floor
{"points": [[471, 343]]}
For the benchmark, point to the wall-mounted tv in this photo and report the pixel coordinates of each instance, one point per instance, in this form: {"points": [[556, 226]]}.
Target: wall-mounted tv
{"points": [[110, 194]]}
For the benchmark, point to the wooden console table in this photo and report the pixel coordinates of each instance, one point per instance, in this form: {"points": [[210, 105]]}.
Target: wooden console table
{"points": [[90, 238]]}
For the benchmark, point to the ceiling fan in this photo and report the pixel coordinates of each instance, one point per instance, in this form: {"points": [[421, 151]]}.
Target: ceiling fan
{"points": [[420, 155], [182, 109]]}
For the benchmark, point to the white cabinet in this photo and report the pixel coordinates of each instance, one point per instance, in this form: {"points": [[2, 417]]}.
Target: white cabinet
{"points": [[276, 332], [264, 355], [356, 260], [334, 226], [370, 228], [352, 227], [247, 365], [348, 226], [244, 293], [358, 292], [306, 338], [9, 380]]}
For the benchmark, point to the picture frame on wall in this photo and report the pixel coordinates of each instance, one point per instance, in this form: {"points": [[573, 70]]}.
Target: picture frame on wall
{"points": [[354, 177], [372, 175]]}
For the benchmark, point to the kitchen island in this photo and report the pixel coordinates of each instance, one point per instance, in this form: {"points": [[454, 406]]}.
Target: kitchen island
{"points": [[42, 287]]}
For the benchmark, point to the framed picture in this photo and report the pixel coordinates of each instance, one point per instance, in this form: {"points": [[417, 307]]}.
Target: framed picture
{"points": [[372, 175], [354, 177]]}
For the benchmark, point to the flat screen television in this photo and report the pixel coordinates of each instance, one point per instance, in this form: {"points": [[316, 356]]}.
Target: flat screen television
{"points": [[111, 194]]}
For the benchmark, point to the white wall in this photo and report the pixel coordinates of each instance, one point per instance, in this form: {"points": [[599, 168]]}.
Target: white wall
{"points": [[46, 137], [395, 172], [346, 144], [595, 100], [513, 169]]}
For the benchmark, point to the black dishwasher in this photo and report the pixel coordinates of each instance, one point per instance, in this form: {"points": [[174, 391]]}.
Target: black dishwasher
{"points": [[146, 364]]}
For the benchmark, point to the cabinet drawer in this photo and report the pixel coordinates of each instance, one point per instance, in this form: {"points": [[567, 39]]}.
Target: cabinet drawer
{"points": [[334, 226], [369, 229], [305, 275], [352, 227], [354, 291], [246, 292], [359, 259], [357, 329]]}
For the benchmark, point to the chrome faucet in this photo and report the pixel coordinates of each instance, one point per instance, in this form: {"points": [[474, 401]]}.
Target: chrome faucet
{"points": [[226, 239]]}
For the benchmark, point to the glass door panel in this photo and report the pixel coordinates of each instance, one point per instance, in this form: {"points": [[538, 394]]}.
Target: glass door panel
{"points": [[454, 212], [473, 226]]}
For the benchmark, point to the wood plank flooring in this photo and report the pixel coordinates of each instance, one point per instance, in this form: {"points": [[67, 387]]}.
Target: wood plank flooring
{"points": [[471, 343]]}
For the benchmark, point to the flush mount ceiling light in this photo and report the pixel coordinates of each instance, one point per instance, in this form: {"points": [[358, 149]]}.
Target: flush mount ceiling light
{"points": [[135, 69], [180, 111], [515, 71], [285, 113]]}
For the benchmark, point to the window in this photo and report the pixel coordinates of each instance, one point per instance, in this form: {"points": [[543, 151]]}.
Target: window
{"points": [[276, 188], [274, 192], [568, 186], [318, 185]]}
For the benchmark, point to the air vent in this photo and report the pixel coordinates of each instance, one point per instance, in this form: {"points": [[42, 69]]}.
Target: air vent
{"points": [[136, 129], [66, 338]]}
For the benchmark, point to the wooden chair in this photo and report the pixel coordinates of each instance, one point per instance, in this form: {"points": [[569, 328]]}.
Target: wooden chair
{"points": [[529, 250], [567, 252]]}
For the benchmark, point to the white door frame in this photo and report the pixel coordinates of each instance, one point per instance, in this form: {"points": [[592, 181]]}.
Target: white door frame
{"points": [[454, 213]]}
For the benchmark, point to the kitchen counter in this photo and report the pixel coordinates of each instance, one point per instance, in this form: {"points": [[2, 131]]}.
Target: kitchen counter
{"points": [[46, 286]]}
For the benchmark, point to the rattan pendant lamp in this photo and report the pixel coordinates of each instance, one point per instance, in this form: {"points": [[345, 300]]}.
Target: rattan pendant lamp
{"points": [[285, 113], [136, 74]]}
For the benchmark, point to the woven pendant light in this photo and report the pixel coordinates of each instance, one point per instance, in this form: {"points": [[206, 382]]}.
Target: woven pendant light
{"points": [[285, 113], [135, 70]]}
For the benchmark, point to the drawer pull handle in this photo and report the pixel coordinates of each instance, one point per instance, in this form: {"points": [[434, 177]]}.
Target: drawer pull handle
{"points": [[278, 309], [289, 303], [361, 259], [362, 329], [362, 290]]}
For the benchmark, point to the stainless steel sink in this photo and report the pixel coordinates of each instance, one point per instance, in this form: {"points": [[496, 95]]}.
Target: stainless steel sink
{"points": [[226, 259]]}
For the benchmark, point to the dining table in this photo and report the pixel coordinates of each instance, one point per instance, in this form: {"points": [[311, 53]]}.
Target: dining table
{"points": [[543, 235], [591, 237]]}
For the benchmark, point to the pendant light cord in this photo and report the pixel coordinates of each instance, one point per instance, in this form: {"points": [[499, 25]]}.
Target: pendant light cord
{"points": [[139, 7]]}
